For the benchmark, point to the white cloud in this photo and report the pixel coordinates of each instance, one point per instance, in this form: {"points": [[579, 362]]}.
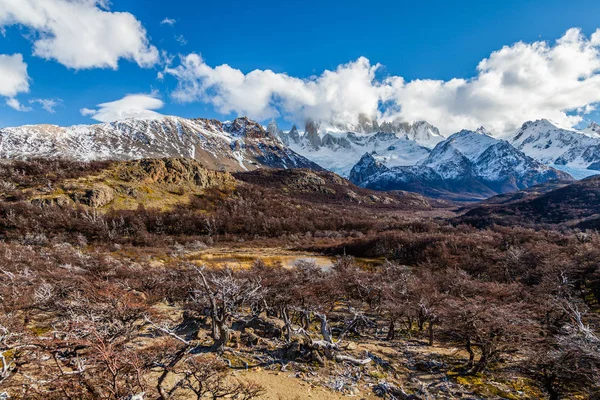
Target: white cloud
{"points": [[88, 112], [520, 82], [16, 105], [335, 95], [81, 34], [13, 75], [130, 106], [168, 21], [47, 104], [181, 40]]}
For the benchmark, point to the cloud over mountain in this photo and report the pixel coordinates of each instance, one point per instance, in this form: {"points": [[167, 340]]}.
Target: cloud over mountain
{"points": [[130, 106], [520, 82]]}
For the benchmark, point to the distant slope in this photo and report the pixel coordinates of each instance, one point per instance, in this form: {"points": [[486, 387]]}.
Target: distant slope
{"points": [[234, 146], [575, 205], [327, 187]]}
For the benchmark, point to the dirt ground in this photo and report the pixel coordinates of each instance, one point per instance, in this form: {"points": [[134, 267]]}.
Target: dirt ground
{"points": [[284, 386]]}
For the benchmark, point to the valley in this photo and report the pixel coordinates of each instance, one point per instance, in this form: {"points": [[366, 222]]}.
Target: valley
{"points": [[275, 200], [175, 279]]}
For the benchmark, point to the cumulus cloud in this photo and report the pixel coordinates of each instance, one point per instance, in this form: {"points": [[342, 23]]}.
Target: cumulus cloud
{"points": [[520, 82], [338, 95], [13, 75], [130, 106], [80, 34], [47, 104], [16, 105]]}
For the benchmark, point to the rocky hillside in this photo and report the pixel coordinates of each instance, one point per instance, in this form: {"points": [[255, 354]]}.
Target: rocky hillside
{"points": [[172, 182], [327, 187], [232, 146], [574, 205], [154, 183]]}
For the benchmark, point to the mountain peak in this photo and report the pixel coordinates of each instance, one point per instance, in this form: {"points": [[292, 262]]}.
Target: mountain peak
{"points": [[540, 124], [272, 128], [482, 130], [594, 127], [245, 127]]}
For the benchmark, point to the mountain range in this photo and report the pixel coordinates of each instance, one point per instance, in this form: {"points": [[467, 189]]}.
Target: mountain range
{"points": [[574, 151], [468, 165], [237, 145]]}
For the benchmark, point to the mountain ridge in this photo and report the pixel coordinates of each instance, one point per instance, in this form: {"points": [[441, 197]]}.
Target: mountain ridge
{"points": [[467, 166], [237, 145]]}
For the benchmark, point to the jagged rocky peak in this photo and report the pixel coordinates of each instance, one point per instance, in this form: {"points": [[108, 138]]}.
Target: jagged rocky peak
{"points": [[273, 129], [293, 134], [207, 123], [484, 131], [539, 124], [594, 127], [245, 127], [367, 124], [423, 131], [366, 167], [394, 126], [312, 133]]}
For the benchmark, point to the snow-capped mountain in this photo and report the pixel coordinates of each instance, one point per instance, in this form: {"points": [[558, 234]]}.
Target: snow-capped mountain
{"points": [[238, 145], [338, 147], [468, 165], [574, 151]]}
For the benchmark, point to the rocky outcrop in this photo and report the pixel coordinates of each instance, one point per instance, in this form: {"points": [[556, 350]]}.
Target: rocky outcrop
{"points": [[97, 196], [173, 171]]}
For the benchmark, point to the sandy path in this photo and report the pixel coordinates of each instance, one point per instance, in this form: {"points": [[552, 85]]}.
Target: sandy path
{"points": [[282, 386]]}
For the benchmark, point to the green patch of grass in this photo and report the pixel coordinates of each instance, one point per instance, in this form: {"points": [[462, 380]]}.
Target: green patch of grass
{"points": [[512, 389]]}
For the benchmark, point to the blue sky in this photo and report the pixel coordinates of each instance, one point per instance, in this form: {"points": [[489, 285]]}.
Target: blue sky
{"points": [[434, 40]]}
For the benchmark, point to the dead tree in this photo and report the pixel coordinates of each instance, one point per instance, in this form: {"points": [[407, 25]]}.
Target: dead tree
{"points": [[226, 294]]}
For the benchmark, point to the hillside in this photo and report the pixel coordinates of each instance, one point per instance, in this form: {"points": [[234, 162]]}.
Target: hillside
{"points": [[574, 205]]}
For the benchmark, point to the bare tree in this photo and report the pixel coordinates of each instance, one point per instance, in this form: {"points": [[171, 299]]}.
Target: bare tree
{"points": [[226, 293]]}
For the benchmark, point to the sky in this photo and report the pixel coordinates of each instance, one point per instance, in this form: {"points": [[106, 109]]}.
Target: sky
{"points": [[455, 64]]}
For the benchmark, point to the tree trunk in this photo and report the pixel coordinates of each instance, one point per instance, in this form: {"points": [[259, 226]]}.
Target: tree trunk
{"points": [[325, 331], [224, 335], [471, 353], [306, 320], [483, 361], [391, 330], [550, 388], [215, 329], [430, 332], [288, 324]]}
